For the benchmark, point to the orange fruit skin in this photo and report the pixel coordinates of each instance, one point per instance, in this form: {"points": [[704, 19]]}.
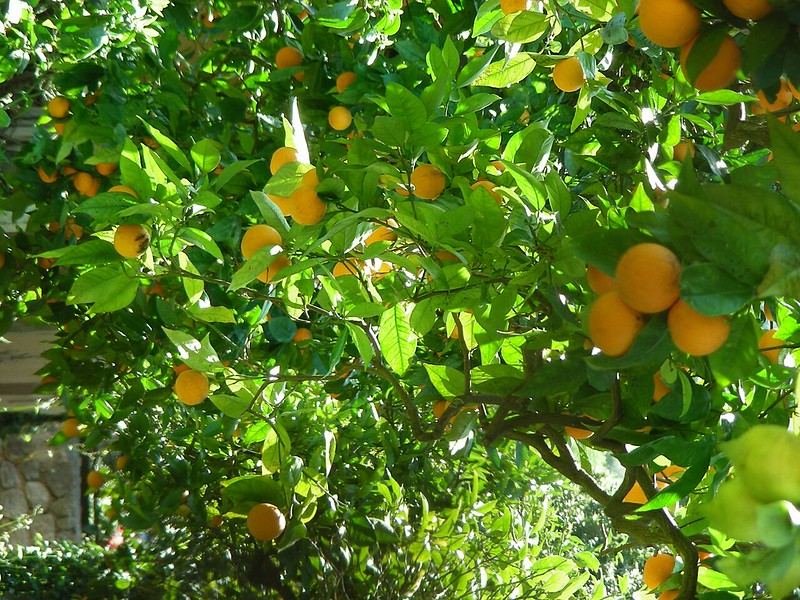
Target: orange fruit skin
{"points": [[348, 267], [307, 208], [58, 107], [439, 408], [577, 433], [793, 89], [721, 71], [694, 333], [660, 389], [121, 462], [123, 189], [106, 168], [303, 334], [648, 277], [428, 181], [767, 343], [288, 57], [511, 6], [489, 187], [669, 595], [283, 203], [258, 236], [749, 9], [568, 75], [381, 234], [45, 176], [782, 99], [613, 325], [344, 80], [599, 282], [131, 240], [635, 495], [95, 480], [668, 475], [271, 272], [191, 387], [339, 118], [669, 23], [683, 149], [86, 184], [657, 569], [71, 427], [265, 521], [280, 157]]}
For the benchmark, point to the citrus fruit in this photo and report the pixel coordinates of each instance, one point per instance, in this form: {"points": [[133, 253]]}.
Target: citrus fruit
{"points": [[660, 389], [58, 107], [578, 433], [45, 176], [283, 203], [489, 187], [512, 6], [86, 184], [439, 408], [694, 333], [95, 480], [668, 476], [191, 387], [599, 282], [347, 267], [669, 595], [657, 569], [683, 149], [669, 23], [381, 234], [71, 427], [720, 70], [568, 75], [769, 346], [265, 521], [428, 182], [271, 272], [749, 9], [72, 229], [131, 240], [648, 277], [288, 57], [339, 118], [307, 208], [303, 334], [257, 237], [635, 495], [783, 98], [106, 168], [123, 189], [280, 157], [344, 80], [121, 462], [613, 325], [310, 179]]}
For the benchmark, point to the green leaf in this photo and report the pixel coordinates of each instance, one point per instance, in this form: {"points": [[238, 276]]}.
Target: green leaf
{"points": [[711, 291], [277, 447], [404, 106], [230, 406], [474, 68], [133, 175], [397, 342], [475, 103], [212, 314], [503, 73], [205, 155], [783, 275], [232, 171], [105, 288], [449, 382], [199, 355], [253, 267], [254, 489], [202, 240], [193, 286], [270, 211], [362, 342], [786, 149], [168, 145], [92, 252], [521, 27], [105, 207]]}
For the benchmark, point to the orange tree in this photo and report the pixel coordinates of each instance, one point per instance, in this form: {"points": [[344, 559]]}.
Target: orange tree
{"points": [[434, 178]]}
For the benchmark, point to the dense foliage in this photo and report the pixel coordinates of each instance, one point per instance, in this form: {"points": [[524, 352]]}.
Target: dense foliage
{"points": [[415, 336]]}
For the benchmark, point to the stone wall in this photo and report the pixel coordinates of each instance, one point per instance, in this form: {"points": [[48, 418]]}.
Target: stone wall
{"points": [[33, 474]]}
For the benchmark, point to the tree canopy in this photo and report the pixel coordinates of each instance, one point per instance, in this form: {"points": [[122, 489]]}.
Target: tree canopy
{"points": [[401, 269]]}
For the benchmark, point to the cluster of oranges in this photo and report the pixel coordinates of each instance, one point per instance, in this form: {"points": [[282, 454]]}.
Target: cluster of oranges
{"points": [[646, 282]]}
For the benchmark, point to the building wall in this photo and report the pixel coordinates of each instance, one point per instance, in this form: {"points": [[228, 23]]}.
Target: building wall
{"points": [[35, 477]]}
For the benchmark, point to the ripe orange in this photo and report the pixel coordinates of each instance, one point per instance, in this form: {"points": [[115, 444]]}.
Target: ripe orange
{"points": [[58, 107], [310, 179], [280, 157], [439, 408], [782, 99], [191, 387], [71, 427], [657, 569], [613, 325], [95, 480], [683, 149], [106, 168], [283, 203], [695, 333], [793, 89], [121, 462], [303, 334], [265, 521], [568, 75], [60, 127], [288, 57], [131, 240], [512, 6], [258, 236], [123, 189], [660, 389], [339, 118], [599, 282], [668, 476], [344, 80], [578, 433], [381, 234], [86, 184], [669, 595], [428, 181], [215, 522], [307, 208], [635, 495], [347, 267], [769, 346], [720, 71], [749, 9], [72, 229], [45, 176], [271, 272], [669, 23], [489, 187], [648, 277]]}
